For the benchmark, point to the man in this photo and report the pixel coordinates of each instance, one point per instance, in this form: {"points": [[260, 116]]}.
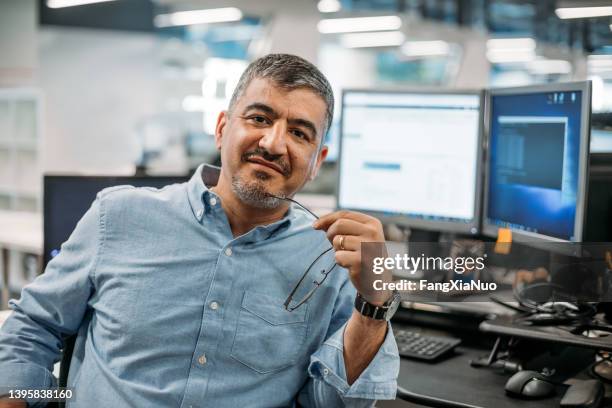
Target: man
{"points": [[177, 294]]}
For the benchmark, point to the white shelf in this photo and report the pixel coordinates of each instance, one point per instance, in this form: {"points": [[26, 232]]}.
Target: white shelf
{"points": [[27, 145], [20, 141], [23, 231], [18, 192]]}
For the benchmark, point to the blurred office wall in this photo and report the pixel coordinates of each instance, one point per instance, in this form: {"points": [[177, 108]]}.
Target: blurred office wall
{"points": [[18, 28], [98, 85]]}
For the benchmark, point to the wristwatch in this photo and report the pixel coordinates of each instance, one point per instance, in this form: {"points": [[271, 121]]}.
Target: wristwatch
{"points": [[384, 312]]}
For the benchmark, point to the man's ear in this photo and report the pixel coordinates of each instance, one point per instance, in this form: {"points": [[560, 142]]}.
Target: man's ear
{"points": [[220, 128], [320, 159]]}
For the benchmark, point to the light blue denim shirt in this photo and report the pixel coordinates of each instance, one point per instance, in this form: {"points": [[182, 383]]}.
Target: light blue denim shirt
{"points": [[171, 310]]}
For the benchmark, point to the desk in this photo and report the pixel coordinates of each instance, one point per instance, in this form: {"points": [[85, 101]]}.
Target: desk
{"points": [[452, 382], [556, 334], [19, 231]]}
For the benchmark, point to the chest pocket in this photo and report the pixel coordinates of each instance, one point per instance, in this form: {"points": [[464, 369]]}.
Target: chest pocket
{"points": [[268, 337]]}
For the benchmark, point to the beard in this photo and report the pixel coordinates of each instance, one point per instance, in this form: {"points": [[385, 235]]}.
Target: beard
{"points": [[255, 193]]}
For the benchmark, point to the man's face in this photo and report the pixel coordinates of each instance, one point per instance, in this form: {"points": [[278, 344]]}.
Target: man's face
{"points": [[270, 142]]}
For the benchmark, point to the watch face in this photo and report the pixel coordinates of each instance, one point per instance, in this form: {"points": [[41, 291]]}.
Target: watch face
{"points": [[393, 307]]}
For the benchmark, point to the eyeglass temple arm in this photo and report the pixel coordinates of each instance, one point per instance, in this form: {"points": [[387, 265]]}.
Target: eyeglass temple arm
{"points": [[295, 202], [295, 288]]}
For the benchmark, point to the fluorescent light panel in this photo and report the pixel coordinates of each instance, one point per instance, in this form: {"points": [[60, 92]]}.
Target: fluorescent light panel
{"points": [[365, 40], [191, 17], [425, 48], [601, 62], [72, 3], [359, 24], [511, 43], [599, 65], [329, 6], [549, 66], [599, 57], [583, 12], [510, 56]]}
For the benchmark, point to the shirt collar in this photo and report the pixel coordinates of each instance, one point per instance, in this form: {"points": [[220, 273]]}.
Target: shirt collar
{"points": [[199, 198], [195, 192]]}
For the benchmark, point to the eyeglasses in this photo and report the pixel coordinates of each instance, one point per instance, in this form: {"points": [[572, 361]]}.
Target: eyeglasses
{"points": [[289, 304]]}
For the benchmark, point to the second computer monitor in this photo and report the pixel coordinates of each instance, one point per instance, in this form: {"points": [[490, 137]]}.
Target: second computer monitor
{"points": [[412, 158], [537, 162]]}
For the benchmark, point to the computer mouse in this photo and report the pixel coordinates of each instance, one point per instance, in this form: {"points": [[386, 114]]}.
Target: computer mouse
{"points": [[529, 384]]}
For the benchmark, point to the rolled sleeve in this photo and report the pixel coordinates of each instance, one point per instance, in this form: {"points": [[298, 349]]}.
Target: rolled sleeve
{"points": [[51, 307], [377, 382], [28, 377]]}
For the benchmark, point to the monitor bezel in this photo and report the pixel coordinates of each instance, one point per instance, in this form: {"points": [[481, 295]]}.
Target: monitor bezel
{"points": [[469, 228], [490, 229]]}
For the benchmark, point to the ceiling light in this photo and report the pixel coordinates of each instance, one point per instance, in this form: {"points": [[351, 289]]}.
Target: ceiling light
{"points": [[600, 61], [549, 66], [425, 48], [206, 16], [329, 6], [510, 56], [511, 43], [364, 40], [598, 91], [351, 25], [583, 12], [72, 3]]}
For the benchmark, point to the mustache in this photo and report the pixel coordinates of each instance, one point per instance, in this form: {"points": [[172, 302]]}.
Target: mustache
{"points": [[272, 158]]}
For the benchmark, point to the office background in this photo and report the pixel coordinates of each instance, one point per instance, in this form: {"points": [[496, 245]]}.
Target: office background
{"points": [[125, 87]]}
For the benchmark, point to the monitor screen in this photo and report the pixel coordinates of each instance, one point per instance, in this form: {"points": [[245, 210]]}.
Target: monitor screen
{"points": [[412, 157], [67, 199], [537, 161]]}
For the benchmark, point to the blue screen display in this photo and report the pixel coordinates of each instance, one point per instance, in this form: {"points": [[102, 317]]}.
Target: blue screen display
{"points": [[534, 162]]}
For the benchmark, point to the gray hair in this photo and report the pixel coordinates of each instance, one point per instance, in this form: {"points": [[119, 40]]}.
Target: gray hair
{"points": [[288, 72]]}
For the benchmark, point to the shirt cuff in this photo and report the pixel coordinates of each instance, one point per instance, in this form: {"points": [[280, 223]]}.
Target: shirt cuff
{"points": [[22, 376], [377, 382]]}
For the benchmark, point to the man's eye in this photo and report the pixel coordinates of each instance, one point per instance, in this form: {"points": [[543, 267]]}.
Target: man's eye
{"points": [[300, 134], [259, 119]]}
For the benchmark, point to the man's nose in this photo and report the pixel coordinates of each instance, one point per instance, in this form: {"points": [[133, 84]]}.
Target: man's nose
{"points": [[273, 140]]}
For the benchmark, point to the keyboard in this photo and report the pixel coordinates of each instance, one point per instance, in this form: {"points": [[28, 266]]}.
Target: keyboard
{"points": [[419, 346]]}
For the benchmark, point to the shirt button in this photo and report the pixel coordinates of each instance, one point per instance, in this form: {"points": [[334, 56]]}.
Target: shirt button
{"points": [[214, 305], [199, 213], [325, 371], [228, 251], [213, 201], [202, 359]]}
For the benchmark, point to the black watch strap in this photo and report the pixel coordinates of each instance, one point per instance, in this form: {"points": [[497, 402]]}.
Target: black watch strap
{"points": [[384, 312]]}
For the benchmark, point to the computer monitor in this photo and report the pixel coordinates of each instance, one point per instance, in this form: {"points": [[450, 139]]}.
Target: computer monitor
{"points": [[67, 199], [412, 157], [537, 162]]}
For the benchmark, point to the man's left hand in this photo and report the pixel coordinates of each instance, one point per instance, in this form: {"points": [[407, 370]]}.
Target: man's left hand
{"points": [[346, 230]]}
